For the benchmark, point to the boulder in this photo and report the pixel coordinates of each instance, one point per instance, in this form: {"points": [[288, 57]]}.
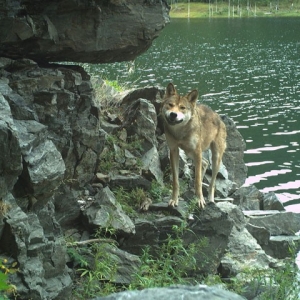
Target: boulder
{"points": [[208, 229], [140, 119], [10, 154], [33, 241], [80, 31], [151, 166], [248, 197], [233, 157], [282, 246], [176, 293], [271, 202], [243, 251], [277, 223], [261, 234], [105, 212]]}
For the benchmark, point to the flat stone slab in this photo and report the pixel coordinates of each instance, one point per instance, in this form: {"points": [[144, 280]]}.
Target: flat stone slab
{"points": [[276, 222], [217, 199], [280, 246], [258, 213]]}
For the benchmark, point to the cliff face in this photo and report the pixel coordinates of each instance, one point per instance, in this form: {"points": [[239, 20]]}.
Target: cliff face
{"points": [[98, 31], [50, 135]]}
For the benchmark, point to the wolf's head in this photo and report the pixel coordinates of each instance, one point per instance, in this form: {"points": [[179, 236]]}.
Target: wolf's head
{"points": [[178, 109]]}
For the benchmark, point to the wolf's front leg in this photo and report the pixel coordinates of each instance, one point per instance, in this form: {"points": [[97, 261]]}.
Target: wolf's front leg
{"points": [[198, 180], [174, 159]]}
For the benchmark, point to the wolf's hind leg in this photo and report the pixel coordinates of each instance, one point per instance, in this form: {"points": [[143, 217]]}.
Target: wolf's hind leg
{"points": [[216, 161]]}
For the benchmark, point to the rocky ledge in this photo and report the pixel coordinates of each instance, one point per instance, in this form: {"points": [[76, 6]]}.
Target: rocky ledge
{"points": [[80, 30], [68, 152]]}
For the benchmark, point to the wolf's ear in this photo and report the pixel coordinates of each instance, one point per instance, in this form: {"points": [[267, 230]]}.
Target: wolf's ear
{"points": [[193, 96], [170, 91]]}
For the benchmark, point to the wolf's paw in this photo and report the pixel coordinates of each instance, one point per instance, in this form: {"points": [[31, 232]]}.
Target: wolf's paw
{"points": [[173, 203], [201, 203]]}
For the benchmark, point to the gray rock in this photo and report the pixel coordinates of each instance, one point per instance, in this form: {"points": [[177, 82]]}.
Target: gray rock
{"points": [[40, 254], [247, 197], [129, 181], [280, 223], [200, 292], [233, 157], [208, 229], [126, 264], [243, 253], [81, 31], [271, 202], [140, 119], [106, 212], [45, 168], [151, 166], [10, 154], [282, 246], [261, 234]]}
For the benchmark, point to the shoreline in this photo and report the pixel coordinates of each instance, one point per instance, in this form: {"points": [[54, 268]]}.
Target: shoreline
{"points": [[225, 10]]}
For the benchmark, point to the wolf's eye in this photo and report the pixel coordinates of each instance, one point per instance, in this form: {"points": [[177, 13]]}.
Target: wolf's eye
{"points": [[171, 104], [182, 107]]}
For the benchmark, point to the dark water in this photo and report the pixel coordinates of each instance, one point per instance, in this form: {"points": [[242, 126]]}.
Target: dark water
{"points": [[246, 68]]}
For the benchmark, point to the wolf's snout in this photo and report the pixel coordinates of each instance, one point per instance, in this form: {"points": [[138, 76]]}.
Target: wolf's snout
{"points": [[173, 116]]}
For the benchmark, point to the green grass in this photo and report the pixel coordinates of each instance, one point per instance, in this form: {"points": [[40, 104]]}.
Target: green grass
{"points": [[218, 9]]}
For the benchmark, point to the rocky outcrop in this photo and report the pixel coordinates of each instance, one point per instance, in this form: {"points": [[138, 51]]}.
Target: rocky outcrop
{"points": [[47, 123], [60, 169], [80, 31]]}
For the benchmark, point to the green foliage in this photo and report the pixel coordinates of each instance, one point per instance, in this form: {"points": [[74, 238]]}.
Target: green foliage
{"points": [[130, 200], [115, 84], [77, 257], [157, 192], [114, 153], [96, 277], [170, 265], [5, 287]]}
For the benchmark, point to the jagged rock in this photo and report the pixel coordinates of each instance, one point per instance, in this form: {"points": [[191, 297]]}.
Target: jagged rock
{"points": [[126, 264], [210, 227], [271, 202], [61, 98], [282, 246], [176, 293], [248, 197], [151, 165], [50, 122], [129, 181], [32, 240], [242, 251], [67, 208], [141, 120], [10, 154], [154, 94], [106, 212], [278, 223], [234, 154], [80, 31], [261, 234]]}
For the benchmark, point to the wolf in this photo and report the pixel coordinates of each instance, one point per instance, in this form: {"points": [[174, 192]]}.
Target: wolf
{"points": [[193, 128]]}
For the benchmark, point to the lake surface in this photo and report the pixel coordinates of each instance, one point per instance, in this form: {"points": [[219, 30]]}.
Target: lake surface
{"points": [[248, 69]]}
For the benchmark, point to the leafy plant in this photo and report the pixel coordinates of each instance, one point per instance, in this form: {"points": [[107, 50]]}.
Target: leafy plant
{"points": [[5, 287], [157, 192], [170, 265], [96, 278]]}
